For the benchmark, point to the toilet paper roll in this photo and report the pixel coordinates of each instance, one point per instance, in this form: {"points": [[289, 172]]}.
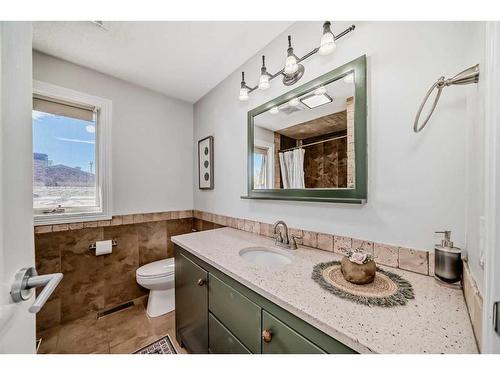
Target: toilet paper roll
{"points": [[103, 247]]}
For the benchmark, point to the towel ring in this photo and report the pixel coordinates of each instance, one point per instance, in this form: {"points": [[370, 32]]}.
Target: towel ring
{"points": [[465, 77], [439, 84]]}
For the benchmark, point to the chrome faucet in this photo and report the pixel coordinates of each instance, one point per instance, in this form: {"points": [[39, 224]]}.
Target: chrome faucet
{"points": [[283, 239]]}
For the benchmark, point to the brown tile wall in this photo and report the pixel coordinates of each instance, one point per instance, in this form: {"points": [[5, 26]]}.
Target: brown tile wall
{"points": [[325, 164], [93, 283], [351, 162]]}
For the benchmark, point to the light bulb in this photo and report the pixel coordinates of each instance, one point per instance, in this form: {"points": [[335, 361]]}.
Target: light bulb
{"points": [[243, 97], [320, 90], [274, 110], [291, 65], [264, 82], [294, 102], [349, 78], [327, 43]]}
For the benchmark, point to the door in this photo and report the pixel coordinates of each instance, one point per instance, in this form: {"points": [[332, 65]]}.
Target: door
{"points": [[191, 304], [17, 325], [491, 305]]}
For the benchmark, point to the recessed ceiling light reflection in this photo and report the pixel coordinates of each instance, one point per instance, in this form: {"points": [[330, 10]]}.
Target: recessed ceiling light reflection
{"points": [[349, 78], [320, 90], [274, 110]]}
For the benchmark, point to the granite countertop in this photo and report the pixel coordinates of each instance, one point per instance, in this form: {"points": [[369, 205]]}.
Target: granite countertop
{"points": [[436, 321]]}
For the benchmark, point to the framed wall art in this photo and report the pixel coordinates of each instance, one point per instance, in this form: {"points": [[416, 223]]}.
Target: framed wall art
{"points": [[206, 163]]}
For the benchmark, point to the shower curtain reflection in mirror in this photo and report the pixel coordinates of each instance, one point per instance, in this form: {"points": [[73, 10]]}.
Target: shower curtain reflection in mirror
{"points": [[292, 168]]}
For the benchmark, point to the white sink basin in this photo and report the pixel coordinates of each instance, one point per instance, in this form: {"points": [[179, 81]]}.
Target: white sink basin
{"points": [[265, 256]]}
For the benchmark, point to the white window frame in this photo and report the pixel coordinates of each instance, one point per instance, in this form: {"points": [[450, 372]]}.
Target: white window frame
{"points": [[103, 153], [270, 160]]}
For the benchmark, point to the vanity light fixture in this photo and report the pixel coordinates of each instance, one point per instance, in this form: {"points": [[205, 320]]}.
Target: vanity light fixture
{"points": [[244, 90], [291, 64], [327, 43], [293, 70], [274, 110], [264, 76]]}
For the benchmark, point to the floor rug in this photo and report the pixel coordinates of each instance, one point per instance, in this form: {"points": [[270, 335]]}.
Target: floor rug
{"points": [[161, 346]]}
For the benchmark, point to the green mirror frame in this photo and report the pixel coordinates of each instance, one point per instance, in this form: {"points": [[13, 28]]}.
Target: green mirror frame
{"points": [[358, 194]]}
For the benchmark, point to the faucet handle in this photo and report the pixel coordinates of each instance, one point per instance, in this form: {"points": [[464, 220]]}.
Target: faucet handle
{"points": [[293, 240]]}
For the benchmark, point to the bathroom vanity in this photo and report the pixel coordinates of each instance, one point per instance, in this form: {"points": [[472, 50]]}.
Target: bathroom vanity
{"points": [[217, 314], [230, 302]]}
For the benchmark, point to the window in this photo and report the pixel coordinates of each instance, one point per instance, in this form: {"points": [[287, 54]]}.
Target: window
{"points": [[260, 168], [263, 165], [70, 155]]}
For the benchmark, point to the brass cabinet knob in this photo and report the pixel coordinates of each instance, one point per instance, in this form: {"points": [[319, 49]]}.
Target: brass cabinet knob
{"points": [[267, 335], [201, 282]]}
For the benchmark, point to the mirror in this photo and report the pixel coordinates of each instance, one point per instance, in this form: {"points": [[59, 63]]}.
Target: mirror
{"points": [[309, 143]]}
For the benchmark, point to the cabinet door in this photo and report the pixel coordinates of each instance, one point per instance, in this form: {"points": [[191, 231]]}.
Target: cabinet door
{"points": [[191, 305], [221, 340], [278, 338], [240, 315]]}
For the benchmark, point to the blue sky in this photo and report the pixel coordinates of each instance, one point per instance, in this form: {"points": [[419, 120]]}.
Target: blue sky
{"points": [[65, 140]]}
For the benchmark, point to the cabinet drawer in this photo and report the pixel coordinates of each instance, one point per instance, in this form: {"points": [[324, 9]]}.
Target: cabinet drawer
{"points": [[221, 341], [285, 340], [240, 315]]}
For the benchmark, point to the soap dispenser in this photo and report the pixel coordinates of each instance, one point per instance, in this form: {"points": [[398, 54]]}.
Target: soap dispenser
{"points": [[447, 260]]}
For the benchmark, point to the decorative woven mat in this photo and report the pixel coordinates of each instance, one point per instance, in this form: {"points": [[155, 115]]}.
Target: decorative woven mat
{"points": [[387, 290], [161, 346]]}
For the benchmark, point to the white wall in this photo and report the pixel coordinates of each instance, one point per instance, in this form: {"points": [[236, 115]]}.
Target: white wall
{"points": [[475, 164], [416, 181], [152, 138]]}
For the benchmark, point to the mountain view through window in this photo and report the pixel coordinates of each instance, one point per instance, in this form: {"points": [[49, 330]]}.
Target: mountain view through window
{"points": [[64, 162]]}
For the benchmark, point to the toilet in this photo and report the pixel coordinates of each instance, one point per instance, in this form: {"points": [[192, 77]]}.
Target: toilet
{"points": [[158, 277]]}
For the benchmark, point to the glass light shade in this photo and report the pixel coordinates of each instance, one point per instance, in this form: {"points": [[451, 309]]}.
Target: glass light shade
{"points": [[320, 90], [243, 97], [264, 82], [291, 65], [327, 44], [349, 78], [294, 102], [274, 110]]}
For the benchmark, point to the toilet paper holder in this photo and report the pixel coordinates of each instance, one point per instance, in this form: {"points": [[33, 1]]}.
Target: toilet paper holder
{"points": [[92, 246]]}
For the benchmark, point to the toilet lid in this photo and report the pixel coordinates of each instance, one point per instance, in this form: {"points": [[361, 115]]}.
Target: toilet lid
{"points": [[159, 268]]}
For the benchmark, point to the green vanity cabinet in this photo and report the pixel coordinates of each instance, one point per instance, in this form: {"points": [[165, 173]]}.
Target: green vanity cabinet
{"points": [[240, 315], [221, 340], [283, 339], [191, 305], [216, 314]]}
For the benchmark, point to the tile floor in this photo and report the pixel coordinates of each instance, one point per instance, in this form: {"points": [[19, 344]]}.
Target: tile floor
{"points": [[122, 332]]}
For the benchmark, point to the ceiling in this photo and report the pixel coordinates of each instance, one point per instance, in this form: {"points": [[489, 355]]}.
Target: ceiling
{"points": [[182, 59], [328, 124], [339, 90]]}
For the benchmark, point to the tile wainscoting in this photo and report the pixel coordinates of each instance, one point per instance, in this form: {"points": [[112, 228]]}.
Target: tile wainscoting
{"points": [[414, 260], [92, 283], [474, 302]]}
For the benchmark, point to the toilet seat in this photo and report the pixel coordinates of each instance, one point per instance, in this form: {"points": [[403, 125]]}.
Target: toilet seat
{"points": [[160, 268]]}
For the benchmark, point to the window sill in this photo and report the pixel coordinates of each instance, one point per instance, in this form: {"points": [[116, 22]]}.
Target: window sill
{"points": [[66, 218]]}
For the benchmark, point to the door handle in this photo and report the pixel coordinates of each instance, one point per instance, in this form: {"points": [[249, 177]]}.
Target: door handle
{"points": [[25, 282], [496, 317]]}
